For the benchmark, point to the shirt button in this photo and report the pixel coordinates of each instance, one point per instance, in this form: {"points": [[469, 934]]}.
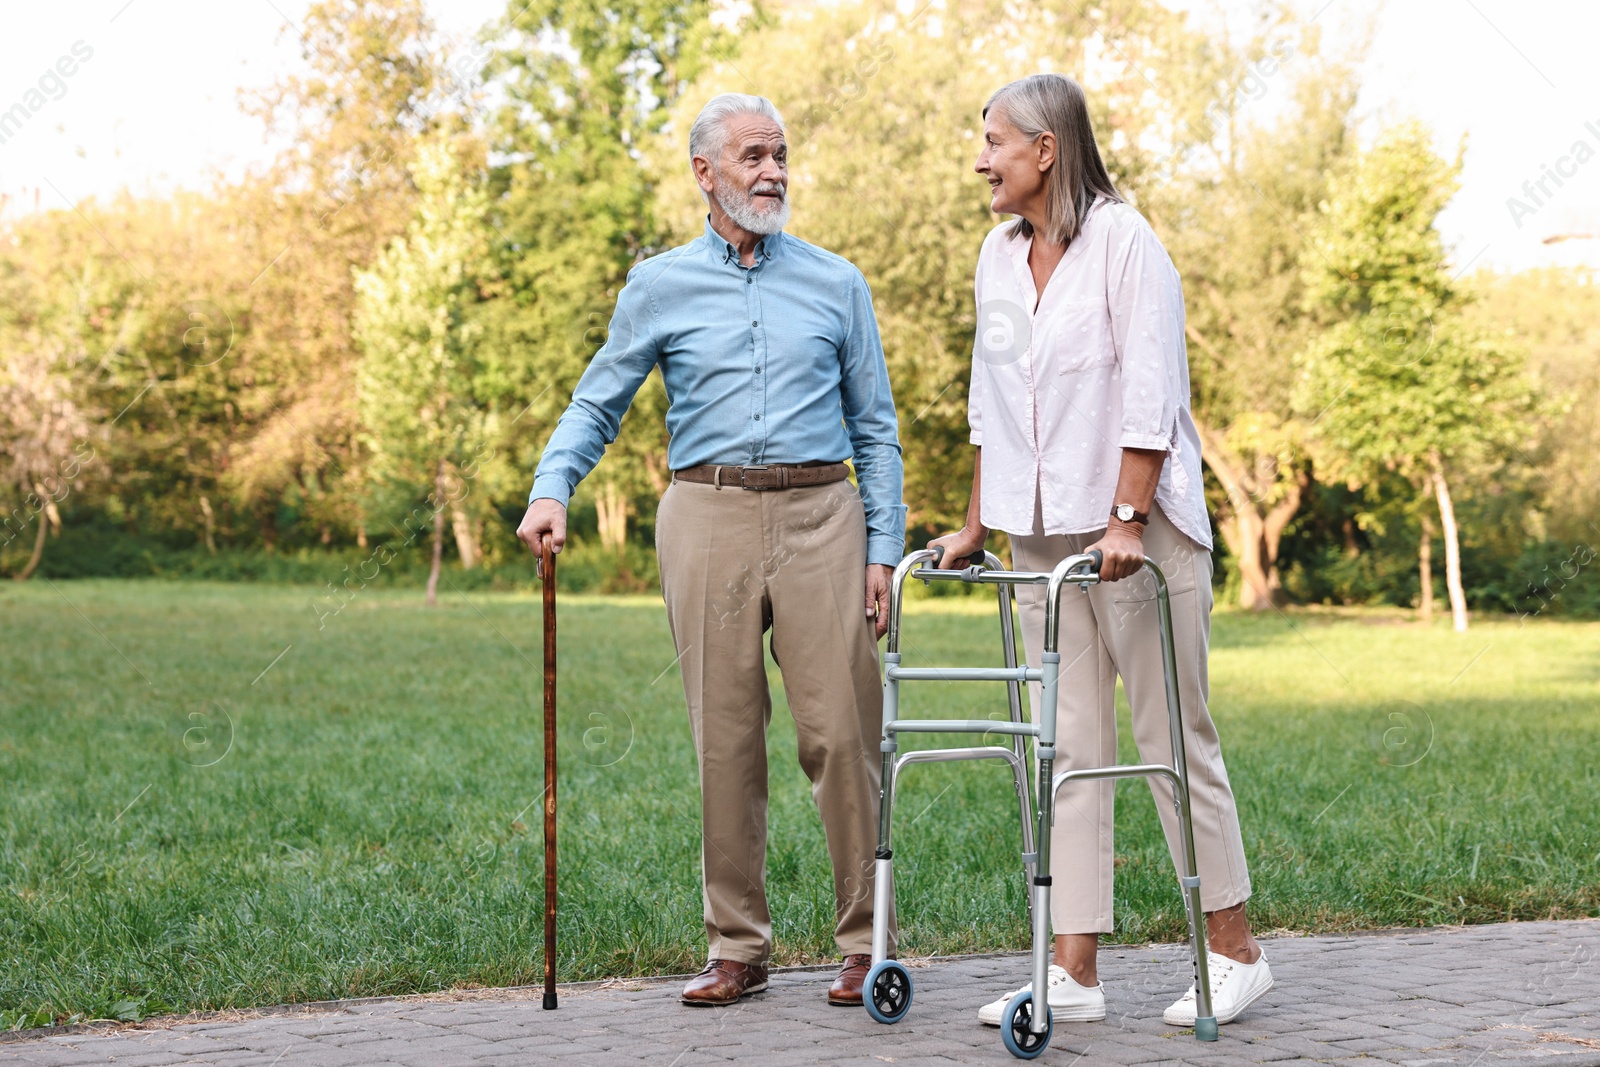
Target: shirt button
{"points": [[749, 279], [755, 324], [758, 418], [758, 370]]}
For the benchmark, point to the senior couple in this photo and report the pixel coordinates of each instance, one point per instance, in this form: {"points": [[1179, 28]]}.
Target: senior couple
{"points": [[775, 378]]}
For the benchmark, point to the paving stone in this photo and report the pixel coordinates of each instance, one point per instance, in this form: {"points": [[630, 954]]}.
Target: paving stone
{"points": [[1499, 996]]}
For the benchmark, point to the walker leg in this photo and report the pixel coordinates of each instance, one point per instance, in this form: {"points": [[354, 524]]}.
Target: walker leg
{"points": [[1045, 812], [1019, 745], [883, 862], [1030, 857], [1205, 1018], [1205, 1021], [883, 858], [1040, 896], [886, 993]]}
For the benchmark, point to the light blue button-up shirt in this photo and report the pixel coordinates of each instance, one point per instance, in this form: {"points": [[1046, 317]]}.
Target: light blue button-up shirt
{"points": [[775, 363]]}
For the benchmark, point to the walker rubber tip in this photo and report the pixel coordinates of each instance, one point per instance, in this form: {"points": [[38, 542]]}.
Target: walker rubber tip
{"points": [[1206, 1029], [550, 1005]]}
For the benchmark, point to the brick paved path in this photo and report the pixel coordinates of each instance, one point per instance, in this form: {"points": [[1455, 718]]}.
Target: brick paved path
{"points": [[1484, 995]]}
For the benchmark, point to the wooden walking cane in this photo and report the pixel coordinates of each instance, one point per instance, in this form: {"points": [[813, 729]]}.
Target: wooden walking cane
{"points": [[547, 571]]}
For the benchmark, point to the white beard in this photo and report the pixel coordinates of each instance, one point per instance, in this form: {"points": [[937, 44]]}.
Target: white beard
{"points": [[747, 214]]}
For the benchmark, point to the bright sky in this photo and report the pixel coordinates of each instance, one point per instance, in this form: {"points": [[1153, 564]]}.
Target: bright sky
{"points": [[155, 102]]}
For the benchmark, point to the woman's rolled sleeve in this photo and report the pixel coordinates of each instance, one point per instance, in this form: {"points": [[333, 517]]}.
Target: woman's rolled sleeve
{"points": [[975, 401], [1146, 302]]}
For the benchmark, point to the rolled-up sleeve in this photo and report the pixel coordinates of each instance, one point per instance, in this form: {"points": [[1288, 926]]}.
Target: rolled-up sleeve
{"points": [[975, 383], [602, 397], [869, 419], [1145, 298]]}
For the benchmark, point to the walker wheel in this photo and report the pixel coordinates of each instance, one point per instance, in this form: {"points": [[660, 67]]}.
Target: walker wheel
{"points": [[888, 992], [1014, 1033]]}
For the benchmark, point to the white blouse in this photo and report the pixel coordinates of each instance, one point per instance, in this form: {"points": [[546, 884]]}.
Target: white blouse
{"points": [[1101, 366]]}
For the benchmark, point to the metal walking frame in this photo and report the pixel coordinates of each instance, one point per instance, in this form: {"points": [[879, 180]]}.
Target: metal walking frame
{"points": [[1024, 1030]]}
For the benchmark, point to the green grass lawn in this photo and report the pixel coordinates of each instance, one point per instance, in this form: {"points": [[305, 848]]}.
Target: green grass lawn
{"points": [[207, 801]]}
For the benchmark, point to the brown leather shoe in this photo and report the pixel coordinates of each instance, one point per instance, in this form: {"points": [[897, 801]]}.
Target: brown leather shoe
{"points": [[724, 982], [846, 989]]}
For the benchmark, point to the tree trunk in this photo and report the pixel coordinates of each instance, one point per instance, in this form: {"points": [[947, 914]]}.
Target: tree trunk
{"points": [[38, 550], [438, 536], [269, 525], [611, 508], [1252, 533], [1242, 532], [1272, 526], [1425, 567], [466, 537], [655, 468], [210, 524], [1452, 549]]}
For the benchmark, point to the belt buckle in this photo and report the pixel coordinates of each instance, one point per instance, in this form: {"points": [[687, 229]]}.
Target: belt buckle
{"points": [[746, 485]]}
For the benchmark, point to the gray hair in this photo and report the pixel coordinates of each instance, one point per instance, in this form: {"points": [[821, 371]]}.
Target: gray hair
{"points": [[709, 134], [1052, 103]]}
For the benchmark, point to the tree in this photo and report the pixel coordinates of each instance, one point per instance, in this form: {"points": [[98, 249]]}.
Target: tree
{"points": [[374, 83], [1554, 315], [1234, 218], [421, 345], [585, 84], [1397, 381], [43, 433]]}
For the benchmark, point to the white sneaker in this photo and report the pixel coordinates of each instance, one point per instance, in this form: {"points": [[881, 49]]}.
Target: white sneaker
{"points": [[1069, 1001], [1234, 987]]}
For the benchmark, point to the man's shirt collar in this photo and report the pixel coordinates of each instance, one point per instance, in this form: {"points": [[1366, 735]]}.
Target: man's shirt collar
{"points": [[725, 252]]}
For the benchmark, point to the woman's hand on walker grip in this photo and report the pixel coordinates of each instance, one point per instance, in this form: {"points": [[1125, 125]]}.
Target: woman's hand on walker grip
{"points": [[1122, 547], [961, 548]]}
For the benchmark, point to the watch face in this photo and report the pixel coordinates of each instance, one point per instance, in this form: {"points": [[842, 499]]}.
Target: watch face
{"points": [[1125, 512]]}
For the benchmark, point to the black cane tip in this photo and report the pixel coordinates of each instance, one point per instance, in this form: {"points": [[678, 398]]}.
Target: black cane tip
{"points": [[549, 1002]]}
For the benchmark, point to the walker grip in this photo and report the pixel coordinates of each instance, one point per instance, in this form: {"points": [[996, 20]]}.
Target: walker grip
{"points": [[975, 557]]}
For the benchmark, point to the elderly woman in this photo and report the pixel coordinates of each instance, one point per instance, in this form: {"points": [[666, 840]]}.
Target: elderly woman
{"points": [[1079, 408]]}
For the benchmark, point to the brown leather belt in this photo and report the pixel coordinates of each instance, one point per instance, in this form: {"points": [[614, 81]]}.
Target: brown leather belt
{"points": [[765, 477]]}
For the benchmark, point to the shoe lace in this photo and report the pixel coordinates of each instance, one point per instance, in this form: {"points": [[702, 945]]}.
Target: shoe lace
{"points": [[1219, 967]]}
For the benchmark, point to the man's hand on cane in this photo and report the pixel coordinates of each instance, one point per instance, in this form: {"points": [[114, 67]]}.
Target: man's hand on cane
{"points": [[544, 516]]}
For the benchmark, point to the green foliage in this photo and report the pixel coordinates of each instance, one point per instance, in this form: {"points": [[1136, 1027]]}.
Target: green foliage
{"points": [[585, 84], [420, 342], [87, 549], [188, 371], [1234, 218], [1554, 315], [1396, 381]]}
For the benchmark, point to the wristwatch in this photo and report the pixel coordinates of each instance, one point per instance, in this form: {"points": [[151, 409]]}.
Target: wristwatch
{"points": [[1126, 513]]}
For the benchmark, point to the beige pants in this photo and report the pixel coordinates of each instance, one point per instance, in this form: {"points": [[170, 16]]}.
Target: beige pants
{"points": [[1113, 631], [734, 564]]}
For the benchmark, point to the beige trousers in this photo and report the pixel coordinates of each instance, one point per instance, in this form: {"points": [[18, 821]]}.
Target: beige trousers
{"points": [[1111, 631], [734, 564]]}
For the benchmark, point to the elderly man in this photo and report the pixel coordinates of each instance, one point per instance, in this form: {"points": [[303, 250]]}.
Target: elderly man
{"points": [[774, 372]]}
